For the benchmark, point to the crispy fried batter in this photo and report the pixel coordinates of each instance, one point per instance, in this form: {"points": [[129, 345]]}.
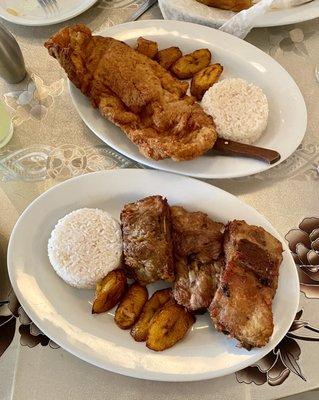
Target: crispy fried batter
{"points": [[232, 5], [167, 57], [131, 306], [197, 247], [169, 325], [155, 303], [242, 306], [109, 291], [135, 93], [204, 79], [147, 244], [147, 47], [187, 66]]}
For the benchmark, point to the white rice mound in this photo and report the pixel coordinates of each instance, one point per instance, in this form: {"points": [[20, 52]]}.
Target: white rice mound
{"points": [[239, 109], [85, 246]]}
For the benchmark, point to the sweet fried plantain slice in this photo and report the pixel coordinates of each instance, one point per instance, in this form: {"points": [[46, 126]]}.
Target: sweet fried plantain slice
{"points": [[147, 47], [131, 306], [109, 291], [167, 57], [158, 299], [187, 66], [204, 79], [233, 5], [169, 325]]}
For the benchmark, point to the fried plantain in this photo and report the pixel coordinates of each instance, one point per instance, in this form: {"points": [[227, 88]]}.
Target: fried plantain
{"points": [[232, 5], [204, 79], [169, 325], [147, 47], [167, 57], [158, 299], [187, 66], [109, 291], [131, 306]]}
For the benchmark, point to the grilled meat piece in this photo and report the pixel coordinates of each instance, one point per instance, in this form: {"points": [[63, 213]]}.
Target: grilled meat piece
{"points": [[197, 247], [147, 243], [242, 305]]}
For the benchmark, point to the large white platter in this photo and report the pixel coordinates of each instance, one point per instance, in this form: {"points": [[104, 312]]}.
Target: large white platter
{"points": [[30, 12], [192, 11], [288, 115], [64, 313]]}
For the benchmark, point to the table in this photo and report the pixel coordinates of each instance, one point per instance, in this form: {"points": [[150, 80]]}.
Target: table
{"points": [[51, 144]]}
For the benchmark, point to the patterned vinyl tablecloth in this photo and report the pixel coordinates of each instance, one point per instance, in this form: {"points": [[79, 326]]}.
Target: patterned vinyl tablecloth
{"points": [[51, 144]]}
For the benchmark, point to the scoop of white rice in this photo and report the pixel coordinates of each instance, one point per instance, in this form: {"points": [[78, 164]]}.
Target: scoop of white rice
{"points": [[85, 246], [239, 109]]}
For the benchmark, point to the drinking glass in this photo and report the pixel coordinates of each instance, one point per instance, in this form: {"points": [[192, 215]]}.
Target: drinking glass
{"points": [[6, 128]]}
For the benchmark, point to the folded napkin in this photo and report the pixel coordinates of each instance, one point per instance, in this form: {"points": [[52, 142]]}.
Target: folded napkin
{"points": [[243, 22]]}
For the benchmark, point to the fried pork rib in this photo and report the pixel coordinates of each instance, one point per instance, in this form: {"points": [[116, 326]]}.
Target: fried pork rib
{"points": [[135, 93], [197, 247], [147, 243], [242, 305]]}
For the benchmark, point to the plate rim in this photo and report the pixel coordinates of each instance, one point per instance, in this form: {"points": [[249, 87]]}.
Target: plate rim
{"points": [[290, 19], [45, 22], [153, 376], [150, 163]]}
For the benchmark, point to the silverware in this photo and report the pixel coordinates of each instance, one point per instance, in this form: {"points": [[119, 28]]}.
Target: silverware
{"points": [[246, 150], [12, 68], [142, 9], [49, 6]]}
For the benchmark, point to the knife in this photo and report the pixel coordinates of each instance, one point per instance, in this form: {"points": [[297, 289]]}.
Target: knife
{"points": [[231, 148], [142, 8]]}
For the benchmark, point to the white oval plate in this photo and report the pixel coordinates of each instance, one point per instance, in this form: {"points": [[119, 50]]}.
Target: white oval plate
{"points": [[192, 11], [64, 313], [30, 12], [288, 115]]}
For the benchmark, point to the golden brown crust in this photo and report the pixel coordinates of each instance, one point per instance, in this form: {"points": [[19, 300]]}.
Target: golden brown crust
{"points": [[187, 66], [147, 47], [205, 79], [232, 5], [109, 291], [147, 244], [167, 57], [140, 330], [130, 308], [169, 326], [135, 93]]}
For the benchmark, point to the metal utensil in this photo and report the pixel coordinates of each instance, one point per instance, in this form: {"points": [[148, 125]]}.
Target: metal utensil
{"points": [[12, 67], [142, 9], [49, 6]]}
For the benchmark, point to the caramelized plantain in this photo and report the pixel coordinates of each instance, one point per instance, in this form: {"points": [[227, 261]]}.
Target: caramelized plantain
{"points": [[232, 5], [204, 79], [167, 57], [109, 291], [187, 66], [147, 47], [169, 325], [158, 299], [131, 306]]}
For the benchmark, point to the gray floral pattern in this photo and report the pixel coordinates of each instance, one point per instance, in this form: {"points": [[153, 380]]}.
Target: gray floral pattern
{"points": [[34, 101], [39, 162]]}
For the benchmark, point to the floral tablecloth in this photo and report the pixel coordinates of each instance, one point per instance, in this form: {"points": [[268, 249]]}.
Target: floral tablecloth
{"points": [[51, 144]]}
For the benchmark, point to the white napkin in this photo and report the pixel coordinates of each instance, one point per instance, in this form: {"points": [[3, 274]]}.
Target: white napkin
{"points": [[243, 22]]}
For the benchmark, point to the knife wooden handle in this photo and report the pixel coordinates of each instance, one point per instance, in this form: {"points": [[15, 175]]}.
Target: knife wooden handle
{"points": [[246, 150]]}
